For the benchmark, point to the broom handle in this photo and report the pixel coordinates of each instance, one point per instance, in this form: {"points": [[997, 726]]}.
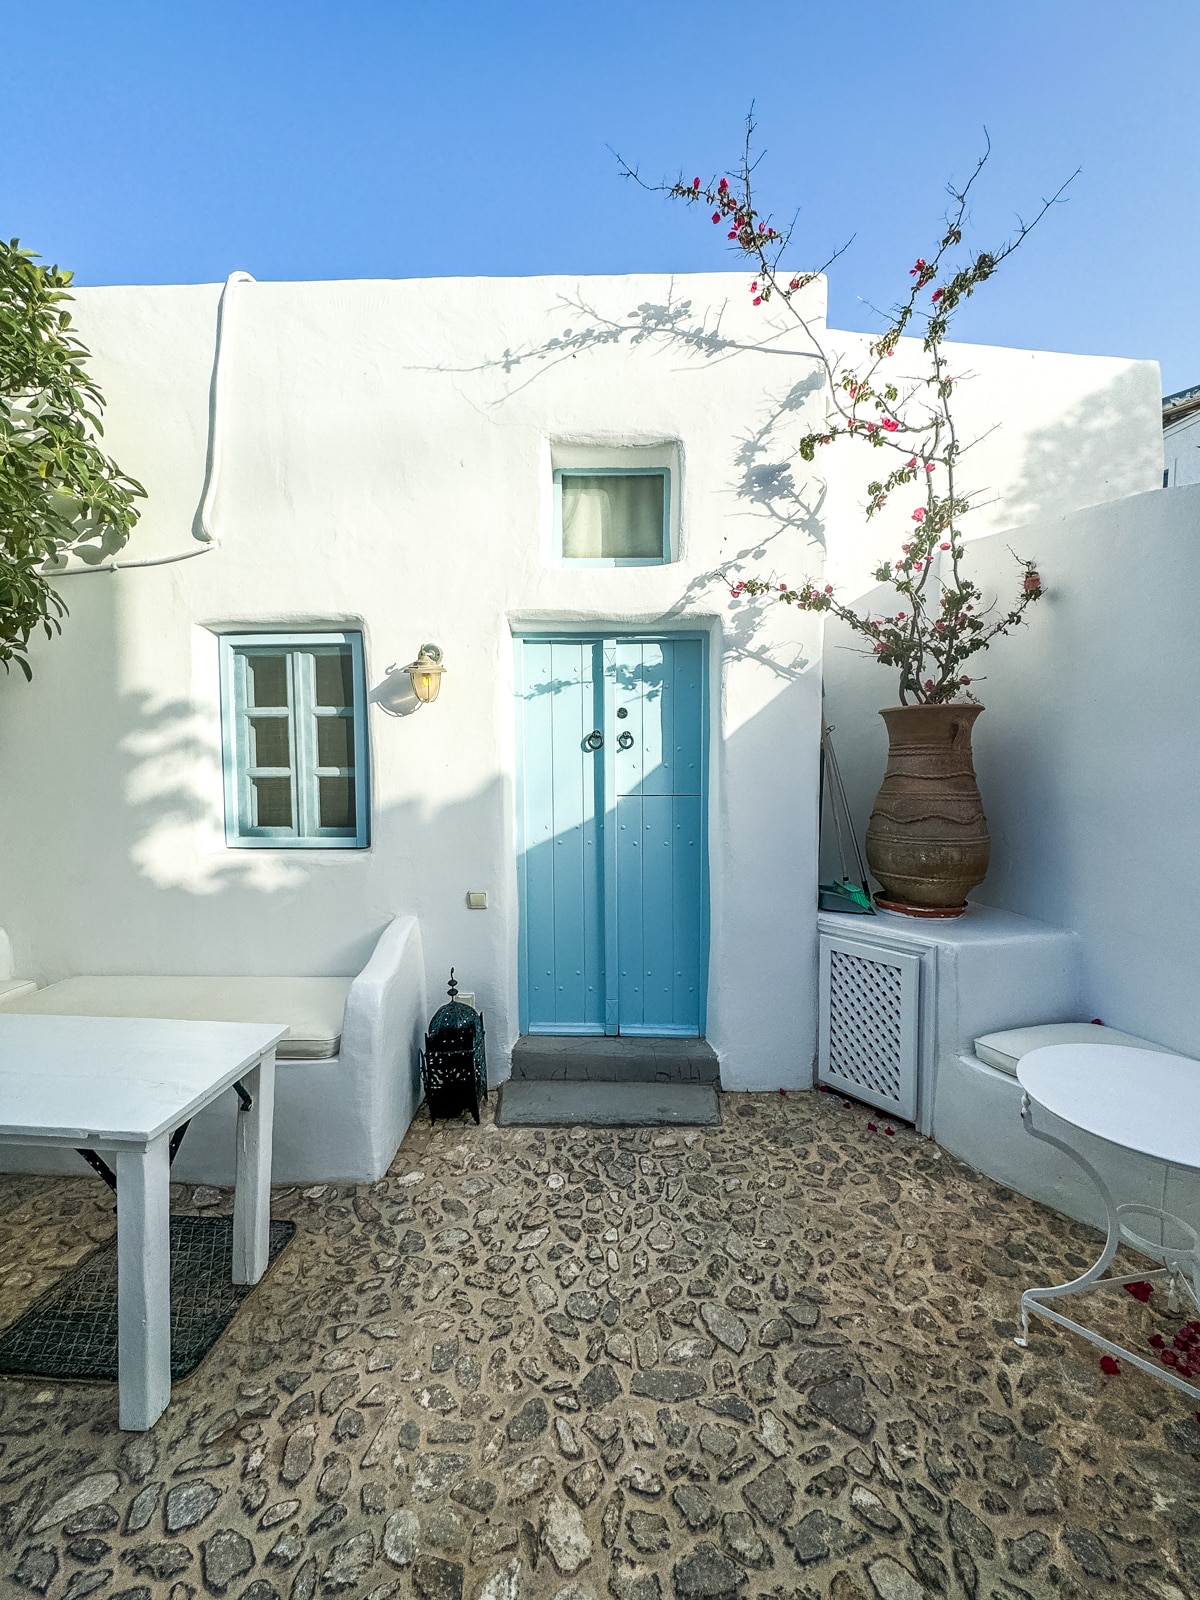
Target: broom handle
{"points": [[837, 799]]}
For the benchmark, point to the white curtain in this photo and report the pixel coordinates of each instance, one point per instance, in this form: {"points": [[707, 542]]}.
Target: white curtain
{"points": [[613, 517]]}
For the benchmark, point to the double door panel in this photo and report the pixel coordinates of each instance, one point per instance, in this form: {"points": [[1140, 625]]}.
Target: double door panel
{"points": [[612, 848]]}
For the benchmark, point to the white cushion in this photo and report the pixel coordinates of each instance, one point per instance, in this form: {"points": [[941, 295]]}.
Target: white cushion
{"points": [[1003, 1050], [312, 1007], [13, 989]]}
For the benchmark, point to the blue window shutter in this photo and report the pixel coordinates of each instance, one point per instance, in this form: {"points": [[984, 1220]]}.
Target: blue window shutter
{"points": [[294, 741]]}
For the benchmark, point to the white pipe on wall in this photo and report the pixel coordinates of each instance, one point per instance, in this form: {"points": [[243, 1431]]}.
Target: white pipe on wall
{"points": [[202, 527]]}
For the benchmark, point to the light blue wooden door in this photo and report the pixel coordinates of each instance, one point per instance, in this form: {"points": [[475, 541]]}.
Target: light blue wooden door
{"points": [[612, 845]]}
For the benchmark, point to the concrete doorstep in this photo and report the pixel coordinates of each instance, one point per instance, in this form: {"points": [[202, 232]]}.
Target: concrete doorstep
{"points": [[541, 1103]]}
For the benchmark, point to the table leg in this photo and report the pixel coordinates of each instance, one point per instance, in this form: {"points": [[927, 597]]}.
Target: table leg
{"points": [[143, 1283], [252, 1195]]}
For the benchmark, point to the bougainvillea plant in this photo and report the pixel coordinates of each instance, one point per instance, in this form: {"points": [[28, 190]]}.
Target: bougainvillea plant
{"points": [[59, 492], [940, 621]]}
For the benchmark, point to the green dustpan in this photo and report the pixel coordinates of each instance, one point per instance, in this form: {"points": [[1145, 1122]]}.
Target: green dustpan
{"points": [[844, 896]]}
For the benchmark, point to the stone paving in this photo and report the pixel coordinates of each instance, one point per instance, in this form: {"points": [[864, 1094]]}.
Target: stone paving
{"points": [[771, 1359]]}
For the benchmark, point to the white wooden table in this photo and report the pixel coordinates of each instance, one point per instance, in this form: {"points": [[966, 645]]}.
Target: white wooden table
{"points": [[121, 1086], [1140, 1100]]}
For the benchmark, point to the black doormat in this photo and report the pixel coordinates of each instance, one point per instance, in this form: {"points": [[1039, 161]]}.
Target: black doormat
{"points": [[71, 1331]]}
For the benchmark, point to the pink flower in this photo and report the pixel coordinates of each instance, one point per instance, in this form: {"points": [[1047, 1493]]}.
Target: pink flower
{"points": [[937, 295], [1033, 583], [783, 588], [795, 284], [1109, 1366], [889, 1132], [732, 234], [754, 286], [1140, 1291], [930, 466], [716, 216], [1157, 1341], [828, 588], [723, 185], [929, 683], [890, 424], [911, 463], [964, 682], [943, 546], [757, 301], [919, 514], [872, 1127], [695, 183], [916, 271]]}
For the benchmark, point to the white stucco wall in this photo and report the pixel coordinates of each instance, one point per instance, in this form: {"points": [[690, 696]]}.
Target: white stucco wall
{"points": [[387, 467], [1087, 751], [1042, 434]]}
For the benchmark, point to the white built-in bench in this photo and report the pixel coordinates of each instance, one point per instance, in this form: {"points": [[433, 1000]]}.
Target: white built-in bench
{"points": [[987, 988], [348, 1079]]}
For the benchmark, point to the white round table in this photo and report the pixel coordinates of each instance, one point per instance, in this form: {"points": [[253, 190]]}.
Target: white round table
{"points": [[1140, 1100]]}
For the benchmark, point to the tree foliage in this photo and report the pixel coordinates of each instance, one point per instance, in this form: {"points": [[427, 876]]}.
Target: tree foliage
{"points": [[60, 494]]}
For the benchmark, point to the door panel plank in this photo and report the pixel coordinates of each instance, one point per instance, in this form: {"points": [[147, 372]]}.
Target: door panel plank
{"points": [[630, 949], [562, 854]]}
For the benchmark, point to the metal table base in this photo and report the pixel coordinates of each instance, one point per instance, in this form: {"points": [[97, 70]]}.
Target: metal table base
{"points": [[1034, 1301]]}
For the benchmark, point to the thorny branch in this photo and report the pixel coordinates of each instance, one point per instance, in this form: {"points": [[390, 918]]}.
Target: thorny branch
{"points": [[944, 622]]}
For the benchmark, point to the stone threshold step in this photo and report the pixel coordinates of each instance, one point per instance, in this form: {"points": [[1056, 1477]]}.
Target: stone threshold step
{"points": [[622, 1059], [533, 1103]]}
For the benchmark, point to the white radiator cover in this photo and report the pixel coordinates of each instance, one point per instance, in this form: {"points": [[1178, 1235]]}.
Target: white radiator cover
{"points": [[869, 999]]}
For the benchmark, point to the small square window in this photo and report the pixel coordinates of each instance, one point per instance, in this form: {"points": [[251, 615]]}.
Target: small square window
{"points": [[613, 517], [293, 714]]}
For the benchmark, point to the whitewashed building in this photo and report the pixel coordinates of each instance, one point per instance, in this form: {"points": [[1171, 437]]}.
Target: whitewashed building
{"points": [[1181, 437], [549, 479]]}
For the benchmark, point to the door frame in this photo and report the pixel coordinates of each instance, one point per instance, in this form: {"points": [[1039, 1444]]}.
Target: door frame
{"points": [[598, 633]]}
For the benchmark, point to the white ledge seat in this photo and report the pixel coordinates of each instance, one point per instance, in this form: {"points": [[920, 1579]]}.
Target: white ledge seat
{"points": [[347, 1080], [312, 1007], [1004, 1050], [978, 1119]]}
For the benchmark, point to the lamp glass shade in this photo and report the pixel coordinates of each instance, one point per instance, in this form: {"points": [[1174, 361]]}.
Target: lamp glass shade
{"points": [[425, 674]]}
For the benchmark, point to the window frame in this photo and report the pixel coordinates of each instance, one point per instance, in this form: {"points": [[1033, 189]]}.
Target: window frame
{"points": [[300, 712], [663, 472]]}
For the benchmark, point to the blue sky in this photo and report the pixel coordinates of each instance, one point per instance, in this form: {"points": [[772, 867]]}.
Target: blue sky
{"points": [[156, 142]]}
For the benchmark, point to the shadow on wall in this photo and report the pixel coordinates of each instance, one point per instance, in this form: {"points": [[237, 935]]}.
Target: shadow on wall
{"points": [[763, 468], [125, 867], [1083, 458]]}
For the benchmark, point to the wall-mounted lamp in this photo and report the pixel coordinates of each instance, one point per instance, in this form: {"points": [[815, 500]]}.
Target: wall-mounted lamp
{"points": [[426, 673]]}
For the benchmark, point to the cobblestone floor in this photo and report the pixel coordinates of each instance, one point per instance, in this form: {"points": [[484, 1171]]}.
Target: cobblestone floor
{"points": [[769, 1359]]}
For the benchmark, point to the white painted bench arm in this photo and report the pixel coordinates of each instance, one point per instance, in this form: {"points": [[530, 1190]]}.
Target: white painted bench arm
{"points": [[382, 1030]]}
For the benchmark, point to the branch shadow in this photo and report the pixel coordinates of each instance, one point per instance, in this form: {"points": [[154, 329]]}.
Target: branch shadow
{"points": [[1084, 457]]}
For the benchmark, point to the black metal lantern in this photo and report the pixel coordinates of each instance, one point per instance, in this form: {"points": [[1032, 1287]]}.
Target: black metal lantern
{"points": [[454, 1060]]}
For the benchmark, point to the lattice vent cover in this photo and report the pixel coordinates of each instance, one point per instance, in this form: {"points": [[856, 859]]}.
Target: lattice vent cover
{"points": [[868, 1025]]}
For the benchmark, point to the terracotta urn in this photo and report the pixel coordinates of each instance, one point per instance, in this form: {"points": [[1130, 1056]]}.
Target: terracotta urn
{"points": [[927, 840]]}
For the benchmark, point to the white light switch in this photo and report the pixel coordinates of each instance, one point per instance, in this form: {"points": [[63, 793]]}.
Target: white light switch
{"points": [[476, 900]]}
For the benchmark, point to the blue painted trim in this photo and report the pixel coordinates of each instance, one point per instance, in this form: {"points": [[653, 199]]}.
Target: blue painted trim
{"points": [[613, 472], [522, 916], [301, 712]]}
